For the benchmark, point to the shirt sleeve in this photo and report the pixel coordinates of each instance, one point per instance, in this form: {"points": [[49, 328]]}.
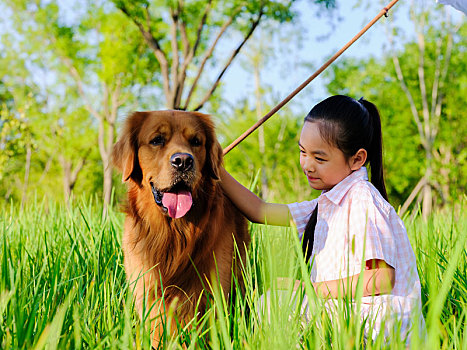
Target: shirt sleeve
{"points": [[370, 232], [301, 212]]}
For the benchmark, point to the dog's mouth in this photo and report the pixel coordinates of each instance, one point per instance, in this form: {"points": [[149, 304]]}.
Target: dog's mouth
{"points": [[176, 201]]}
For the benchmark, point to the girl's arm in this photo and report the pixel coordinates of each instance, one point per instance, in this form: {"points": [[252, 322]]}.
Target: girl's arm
{"points": [[378, 278], [253, 207]]}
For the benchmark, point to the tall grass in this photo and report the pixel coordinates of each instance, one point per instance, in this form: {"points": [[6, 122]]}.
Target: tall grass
{"points": [[63, 285]]}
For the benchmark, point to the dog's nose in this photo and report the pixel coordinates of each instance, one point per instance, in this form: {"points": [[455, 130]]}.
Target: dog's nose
{"points": [[182, 161]]}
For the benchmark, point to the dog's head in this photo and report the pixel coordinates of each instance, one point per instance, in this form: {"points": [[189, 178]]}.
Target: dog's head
{"points": [[169, 153]]}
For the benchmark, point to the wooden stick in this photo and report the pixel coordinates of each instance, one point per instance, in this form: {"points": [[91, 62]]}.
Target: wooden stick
{"points": [[383, 12]]}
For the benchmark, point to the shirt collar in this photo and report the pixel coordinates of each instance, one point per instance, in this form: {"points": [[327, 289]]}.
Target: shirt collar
{"points": [[336, 193]]}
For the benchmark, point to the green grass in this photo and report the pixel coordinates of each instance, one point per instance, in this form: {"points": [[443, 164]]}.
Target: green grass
{"points": [[63, 285]]}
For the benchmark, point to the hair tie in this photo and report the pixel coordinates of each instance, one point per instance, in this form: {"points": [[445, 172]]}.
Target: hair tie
{"points": [[360, 100]]}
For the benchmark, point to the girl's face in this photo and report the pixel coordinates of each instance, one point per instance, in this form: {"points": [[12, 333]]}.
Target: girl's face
{"points": [[324, 165]]}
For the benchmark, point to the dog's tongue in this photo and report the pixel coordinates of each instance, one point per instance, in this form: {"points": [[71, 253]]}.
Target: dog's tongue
{"points": [[177, 203]]}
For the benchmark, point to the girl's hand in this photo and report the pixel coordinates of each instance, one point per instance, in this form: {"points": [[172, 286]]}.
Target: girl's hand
{"points": [[377, 278]]}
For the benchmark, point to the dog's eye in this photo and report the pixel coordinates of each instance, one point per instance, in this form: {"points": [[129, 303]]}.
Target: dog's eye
{"points": [[158, 140], [195, 141]]}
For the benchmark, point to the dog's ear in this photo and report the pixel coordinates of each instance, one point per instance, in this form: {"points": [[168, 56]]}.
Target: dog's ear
{"points": [[215, 158], [125, 150], [214, 153]]}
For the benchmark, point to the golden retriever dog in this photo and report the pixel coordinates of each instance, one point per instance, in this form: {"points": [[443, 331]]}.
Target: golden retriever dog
{"points": [[180, 228]]}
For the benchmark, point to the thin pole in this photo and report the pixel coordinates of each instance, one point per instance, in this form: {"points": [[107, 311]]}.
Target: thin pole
{"points": [[382, 13]]}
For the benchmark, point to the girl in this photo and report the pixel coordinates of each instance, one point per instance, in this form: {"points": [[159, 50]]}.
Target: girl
{"points": [[351, 219]]}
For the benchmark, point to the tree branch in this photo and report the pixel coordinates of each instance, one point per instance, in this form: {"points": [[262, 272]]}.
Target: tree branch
{"points": [[207, 55], [434, 89], [115, 102], [405, 89], [444, 72], [229, 61], [182, 30], [421, 79], [413, 108], [412, 196], [189, 53], [200, 28], [46, 169], [184, 36], [154, 45], [112, 117], [175, 58], [101, 129], [76, 170], [79, 82]]}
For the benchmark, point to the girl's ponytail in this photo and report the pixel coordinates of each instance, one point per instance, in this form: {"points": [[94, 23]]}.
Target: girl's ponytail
{"points": [[375, 151]]}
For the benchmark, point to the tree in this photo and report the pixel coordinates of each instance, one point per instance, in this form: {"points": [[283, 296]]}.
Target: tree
{"points": [[427, 112], [74, 136], [100, 64], [419, 92], [257, 54], [184, 36], [99, 60], [17, 137], [259, 57], [8, 125]]}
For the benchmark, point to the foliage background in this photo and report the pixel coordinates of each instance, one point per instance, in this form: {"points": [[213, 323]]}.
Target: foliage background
{"points": [[64, 74], [71, 71]]}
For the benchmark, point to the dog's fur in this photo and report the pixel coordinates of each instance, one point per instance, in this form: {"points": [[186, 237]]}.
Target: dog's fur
{"points": [[176, 258]]}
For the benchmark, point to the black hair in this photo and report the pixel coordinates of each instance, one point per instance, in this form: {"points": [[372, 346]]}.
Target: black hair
{"points": [[309, 234], [349, 125]]}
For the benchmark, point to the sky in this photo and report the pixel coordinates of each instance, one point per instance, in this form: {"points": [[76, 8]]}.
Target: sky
{"points": [[287, 72], [320, 39], [303, 47]]}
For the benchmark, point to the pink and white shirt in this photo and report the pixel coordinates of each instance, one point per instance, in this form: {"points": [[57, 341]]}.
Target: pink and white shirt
{"points": [[356, 224]]}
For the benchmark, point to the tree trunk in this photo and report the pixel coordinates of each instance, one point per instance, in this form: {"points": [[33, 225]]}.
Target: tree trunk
{"points": [[105, 156], [444, 157], [70, 176], [106, 118], [66, 165], [427, 194], [413, 195], [107, 183], [427, 119], [175, 62]]}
